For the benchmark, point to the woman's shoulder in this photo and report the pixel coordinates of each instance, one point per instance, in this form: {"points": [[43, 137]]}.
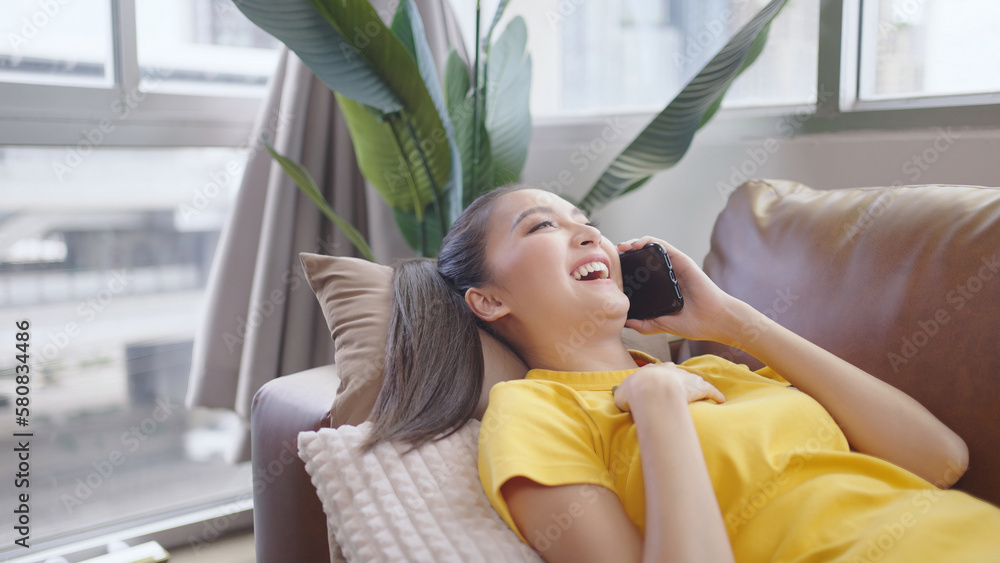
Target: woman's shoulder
{"points": [[530, 395], [529, 387], [533, 403]]}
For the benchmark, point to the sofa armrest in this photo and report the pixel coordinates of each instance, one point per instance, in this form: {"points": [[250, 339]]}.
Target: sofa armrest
{"points": [[289, 523]]}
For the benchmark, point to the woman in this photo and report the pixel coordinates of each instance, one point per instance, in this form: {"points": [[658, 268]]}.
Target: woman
{"points": [[735, 465]]}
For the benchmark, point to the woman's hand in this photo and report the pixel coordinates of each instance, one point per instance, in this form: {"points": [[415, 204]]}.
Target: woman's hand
{"points": [[683, 520], [657, 384], [708, 314]]}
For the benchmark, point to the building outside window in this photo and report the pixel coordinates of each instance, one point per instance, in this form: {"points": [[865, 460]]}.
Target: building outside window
{"points": [[913, 48]]}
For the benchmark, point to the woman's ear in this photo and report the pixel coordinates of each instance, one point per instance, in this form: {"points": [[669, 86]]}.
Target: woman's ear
{"points": [[485, 304]]}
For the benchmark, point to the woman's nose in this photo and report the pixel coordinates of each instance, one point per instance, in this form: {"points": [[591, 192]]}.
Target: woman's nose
{"points": [[588, 235]]}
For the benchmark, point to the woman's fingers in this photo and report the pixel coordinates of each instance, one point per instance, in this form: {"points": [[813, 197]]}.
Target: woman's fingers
{"points": [[635, 243], [645, 326], [699, 390], [675, 255], [698, 387], [641, 386], [712, 392], [621, 400], [627, 245]]}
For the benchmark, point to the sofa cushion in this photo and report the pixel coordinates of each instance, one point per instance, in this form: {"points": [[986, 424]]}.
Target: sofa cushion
{"points": [[422, 505], [903, 282], [354, 296]]}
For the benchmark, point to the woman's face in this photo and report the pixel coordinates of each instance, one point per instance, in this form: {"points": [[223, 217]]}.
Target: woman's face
{"points": [[536, 246]]}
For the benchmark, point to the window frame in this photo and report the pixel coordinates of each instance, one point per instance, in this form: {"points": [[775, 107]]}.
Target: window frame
{"points": [[838, 74], [854, 12], [865, 70], [838, 108], [122, 114], [27, 116], [193, 527]]}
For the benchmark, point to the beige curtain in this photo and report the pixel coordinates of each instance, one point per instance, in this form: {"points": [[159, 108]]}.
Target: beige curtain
{"points": [[262, 320]]}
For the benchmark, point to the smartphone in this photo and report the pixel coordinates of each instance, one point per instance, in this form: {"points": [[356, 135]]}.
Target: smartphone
{"points": [[649, 281]]}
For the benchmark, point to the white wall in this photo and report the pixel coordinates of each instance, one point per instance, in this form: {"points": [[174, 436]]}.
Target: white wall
{"points": [[680, 204]]}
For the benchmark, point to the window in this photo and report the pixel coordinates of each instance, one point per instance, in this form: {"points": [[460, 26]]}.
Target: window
{"points": [[785, 73], [57, 42], [108, 263], [867, 60], [124, 129], [181, 73], [929, 48], [634, 56], [201, 47]]}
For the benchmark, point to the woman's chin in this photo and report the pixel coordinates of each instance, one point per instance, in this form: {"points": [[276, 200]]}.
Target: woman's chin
{"points": [[604, 300]]}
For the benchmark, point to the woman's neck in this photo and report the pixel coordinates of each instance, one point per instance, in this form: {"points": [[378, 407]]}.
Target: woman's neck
{"points": [[606, 354]]}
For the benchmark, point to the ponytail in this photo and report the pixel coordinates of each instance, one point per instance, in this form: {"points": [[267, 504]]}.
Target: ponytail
{"points": [[434, 369], [433, 362]]}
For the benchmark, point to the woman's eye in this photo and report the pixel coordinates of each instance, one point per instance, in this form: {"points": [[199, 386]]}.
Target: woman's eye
{"points": [[592, 224], [540, 225]]}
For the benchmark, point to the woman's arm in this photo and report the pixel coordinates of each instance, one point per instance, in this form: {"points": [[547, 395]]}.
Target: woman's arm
{"points": [[876, 418], [683, 521], [572, 522]]}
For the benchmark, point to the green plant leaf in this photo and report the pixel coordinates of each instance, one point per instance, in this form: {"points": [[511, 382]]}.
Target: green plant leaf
{"points": [[427, 243], [305, 182], [417, 129], [462, 114], [381, 157], [408, 227], [496, 20], [403, 30], [346, 44], [456, 80], [756, 48], [336, 62], [508, 115], [450, 196], [463, 118], [478, 102], [665, 140]]}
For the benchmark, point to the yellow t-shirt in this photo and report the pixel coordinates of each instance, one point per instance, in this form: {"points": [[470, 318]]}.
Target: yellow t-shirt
{"points": [[787, 483]]}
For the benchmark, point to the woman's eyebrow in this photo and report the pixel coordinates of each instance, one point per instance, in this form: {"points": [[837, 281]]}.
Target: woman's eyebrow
{"points": [[542, 209]]}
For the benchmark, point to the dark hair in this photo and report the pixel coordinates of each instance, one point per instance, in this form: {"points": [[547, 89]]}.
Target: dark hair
{"points": [[433, 374]]}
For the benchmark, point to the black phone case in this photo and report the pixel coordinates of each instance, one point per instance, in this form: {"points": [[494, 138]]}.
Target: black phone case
{"points": [[649, 281]]}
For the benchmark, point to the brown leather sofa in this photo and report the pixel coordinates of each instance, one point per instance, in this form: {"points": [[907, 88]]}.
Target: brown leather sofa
{"points": [[902, 281]]}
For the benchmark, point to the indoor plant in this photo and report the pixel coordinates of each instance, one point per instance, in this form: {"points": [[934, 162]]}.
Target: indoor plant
{"points": [[429, 150]]}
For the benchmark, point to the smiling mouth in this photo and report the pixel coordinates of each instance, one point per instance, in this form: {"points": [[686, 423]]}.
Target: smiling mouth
{"points": [[591, 271]]}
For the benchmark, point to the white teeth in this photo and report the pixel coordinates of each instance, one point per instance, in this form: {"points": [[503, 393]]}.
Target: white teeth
{"points": [[591, 267]]}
